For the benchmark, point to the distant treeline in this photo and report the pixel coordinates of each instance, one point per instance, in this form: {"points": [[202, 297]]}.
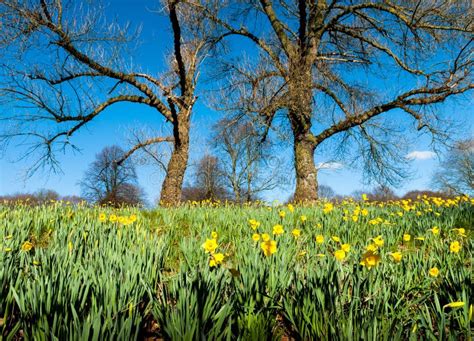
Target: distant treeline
{"points": [[380, 194], [41, 197]]}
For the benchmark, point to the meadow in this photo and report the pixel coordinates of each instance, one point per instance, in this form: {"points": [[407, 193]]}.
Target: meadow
{"points": [[353, 270]]}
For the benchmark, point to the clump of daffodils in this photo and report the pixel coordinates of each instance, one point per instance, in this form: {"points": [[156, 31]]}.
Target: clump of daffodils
{"points": [[269, 247], [121, 219], [210, 246], [254, 224], [370, 259]]}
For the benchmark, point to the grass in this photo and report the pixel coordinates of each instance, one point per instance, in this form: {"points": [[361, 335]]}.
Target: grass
{"points": [[97, 273]]}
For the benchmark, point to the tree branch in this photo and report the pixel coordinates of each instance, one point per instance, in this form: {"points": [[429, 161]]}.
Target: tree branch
{"points": [[142, 145], [434, 95], [85, 119], [277, 27]]}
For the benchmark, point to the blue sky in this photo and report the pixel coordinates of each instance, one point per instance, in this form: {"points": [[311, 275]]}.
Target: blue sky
{"points": [[112, 127]]}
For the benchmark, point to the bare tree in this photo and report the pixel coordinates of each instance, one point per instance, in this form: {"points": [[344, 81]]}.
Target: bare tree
{"points": [[418, 194], [382, 193], [73, 199], [326, 192], [456, 171], [40, 197], [245, 160], [192, 193], [46, 195], [209, 178], [107, 182], [346, 71], [63, 66]]}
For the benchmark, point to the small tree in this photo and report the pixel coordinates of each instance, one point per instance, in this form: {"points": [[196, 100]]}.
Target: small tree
{"points": [[456, 172], [325, 192], [40, 197], [46, 195], [209, 179], [417, 194], [107, 182], [382, 193], [192, 193], [245, 158]]}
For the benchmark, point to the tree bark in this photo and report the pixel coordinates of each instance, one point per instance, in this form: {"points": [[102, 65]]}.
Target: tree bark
{"points": [[306, 173], [299, 114], [173, 183]]}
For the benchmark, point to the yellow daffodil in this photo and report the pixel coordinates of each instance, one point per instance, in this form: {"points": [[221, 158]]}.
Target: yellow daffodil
{"points": [[291, 208], [27, 246], [255, 237], [319, 239], [336, 239], [303, 218], [346, 247], [396, 256], [102, 217], [282, 214], [371, 247], [254, 224], [406, 237], [214, 234], [434, 230], [378, 241], [434, 272], [340, 255], [370, 259], [454, 247], [265, 237], [113, 218], [296, 233], [278, 229], [461, 232], [328, 207], [216, 259], [210, 245], [269, 247]]}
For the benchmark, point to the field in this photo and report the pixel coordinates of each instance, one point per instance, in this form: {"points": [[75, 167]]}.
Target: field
{"points": [[355, 270]]}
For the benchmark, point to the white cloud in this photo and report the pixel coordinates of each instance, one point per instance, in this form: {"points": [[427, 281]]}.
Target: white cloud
{"points": [[420, 155], [329, 165]]}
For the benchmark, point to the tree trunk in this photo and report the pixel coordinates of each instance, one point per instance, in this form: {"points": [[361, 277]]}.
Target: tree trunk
{"points": [[300, 113], [306, 173], [173, 183], [236, 190]]}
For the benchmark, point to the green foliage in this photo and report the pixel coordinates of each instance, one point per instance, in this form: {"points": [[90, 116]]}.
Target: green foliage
{"points": [[130, 274]]}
